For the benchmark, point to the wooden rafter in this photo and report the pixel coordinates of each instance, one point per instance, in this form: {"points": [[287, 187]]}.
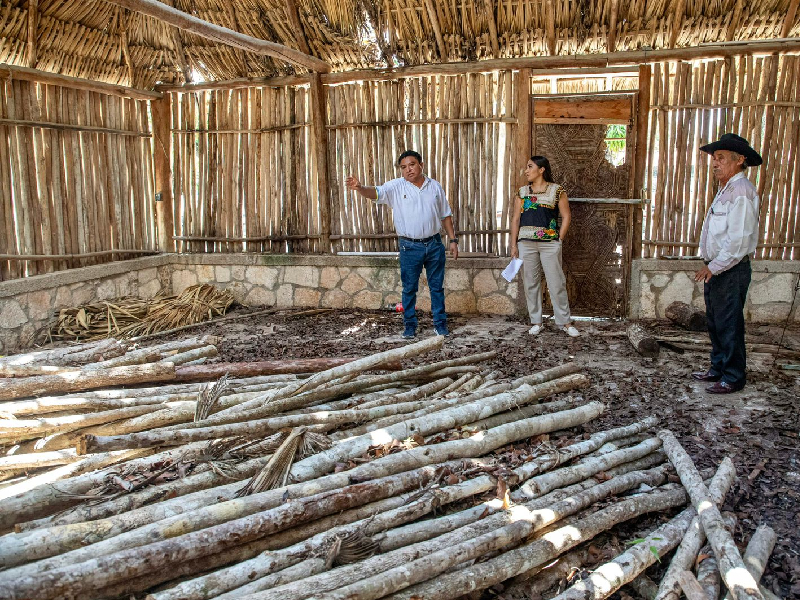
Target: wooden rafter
{"points": [[736, 20], [612, 26], [433, 17], [488, 6], [677, 22], [299, 33], [33, 23], [125, 47], [223, 35], [788, 22], [550, 15]]}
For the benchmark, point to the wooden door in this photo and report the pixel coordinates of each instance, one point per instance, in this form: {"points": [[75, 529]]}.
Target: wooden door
{"points": [[571, 131]]}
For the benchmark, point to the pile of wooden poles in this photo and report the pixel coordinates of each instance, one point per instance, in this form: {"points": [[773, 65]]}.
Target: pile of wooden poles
{"points": [[353, 482]]}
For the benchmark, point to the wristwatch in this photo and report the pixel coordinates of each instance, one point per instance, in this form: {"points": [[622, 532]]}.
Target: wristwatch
{"points": [[454, 241]]}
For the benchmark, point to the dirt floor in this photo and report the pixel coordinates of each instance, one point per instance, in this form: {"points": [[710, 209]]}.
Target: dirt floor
{"points": [[758, 427]]}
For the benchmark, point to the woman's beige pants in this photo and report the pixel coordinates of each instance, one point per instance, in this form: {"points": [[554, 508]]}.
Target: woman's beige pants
{"points": [[544, 256]]}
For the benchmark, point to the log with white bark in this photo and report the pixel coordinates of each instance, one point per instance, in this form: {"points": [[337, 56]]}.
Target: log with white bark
{"points": [[134, 357], [23, 429], [11, 389], [734, 572], [7, 370], [643, 341], [45, 499], [249, 429], [539, 552], [708, 574], [387, 573], [109, 569], [188, 356], [685, 555], [758, 551], [536, 582], [626, 567], [50, 541], [687, 316], [70, 355], [37, 461], [297, 366], [379, 360]]}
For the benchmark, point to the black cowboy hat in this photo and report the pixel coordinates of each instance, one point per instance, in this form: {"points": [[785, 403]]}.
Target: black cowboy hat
{"points": [[735, 143]]}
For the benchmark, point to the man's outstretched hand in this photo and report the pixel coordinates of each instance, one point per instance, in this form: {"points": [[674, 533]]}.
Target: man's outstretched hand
{"points": [[352, 183]]}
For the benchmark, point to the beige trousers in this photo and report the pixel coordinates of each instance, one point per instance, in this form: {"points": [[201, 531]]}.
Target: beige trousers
{"points": [[536, 258]]}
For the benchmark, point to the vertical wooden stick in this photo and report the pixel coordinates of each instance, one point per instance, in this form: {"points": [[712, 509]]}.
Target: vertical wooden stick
{"points": [[161, 110], [319, 122]]}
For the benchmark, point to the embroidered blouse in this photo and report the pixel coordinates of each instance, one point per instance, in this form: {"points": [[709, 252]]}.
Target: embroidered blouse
{"points": [[539, 218]]}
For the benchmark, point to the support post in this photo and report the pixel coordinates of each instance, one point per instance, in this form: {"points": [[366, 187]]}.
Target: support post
{"points": [[162, 113], [550, 15], [320, 131], [33, 23], [524, 121], [788, 22], [640, 158]]}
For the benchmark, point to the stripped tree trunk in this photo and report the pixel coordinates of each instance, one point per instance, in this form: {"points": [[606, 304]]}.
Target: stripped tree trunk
{"points": [[758, 551], [691, 587], [188, 356], [708, 574], [37, 461], [643, 341], [736, 576], [11, 389], [71, 355], [264, 367], [687, 316], [685, 555]]}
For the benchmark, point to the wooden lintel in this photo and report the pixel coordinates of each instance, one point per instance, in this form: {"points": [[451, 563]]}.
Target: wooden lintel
{"points": [[550, 15], [538, 65], [489, 10], [293, 14], [677, 22], [222, 35], [14, 72], [33, 24], [736, 20], [788, 22], [433, 17], [612, 26]]}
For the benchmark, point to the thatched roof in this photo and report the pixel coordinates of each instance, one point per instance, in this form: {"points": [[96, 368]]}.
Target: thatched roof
{"points": [[98, 40]]}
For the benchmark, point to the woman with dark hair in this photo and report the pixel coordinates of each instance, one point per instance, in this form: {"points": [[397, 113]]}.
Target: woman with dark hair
{"points": [[536, 239]]}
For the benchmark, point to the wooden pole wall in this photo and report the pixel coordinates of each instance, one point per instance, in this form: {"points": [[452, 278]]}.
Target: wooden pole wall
{"points": [[640, 160]]}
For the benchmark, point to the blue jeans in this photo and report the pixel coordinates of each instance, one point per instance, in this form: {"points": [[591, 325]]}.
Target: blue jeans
{"points": [[413, 256], [725, 294]]}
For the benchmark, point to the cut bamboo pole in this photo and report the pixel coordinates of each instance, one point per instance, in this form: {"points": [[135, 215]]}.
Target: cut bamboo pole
{"points": [[736, 576]]}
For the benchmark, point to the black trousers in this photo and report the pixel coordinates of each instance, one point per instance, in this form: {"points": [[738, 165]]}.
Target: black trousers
{"points": [[725, 294]]}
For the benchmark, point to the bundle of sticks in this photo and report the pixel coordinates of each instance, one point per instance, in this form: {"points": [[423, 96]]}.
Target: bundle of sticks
{"points": [[350, 483], [129, 317]]}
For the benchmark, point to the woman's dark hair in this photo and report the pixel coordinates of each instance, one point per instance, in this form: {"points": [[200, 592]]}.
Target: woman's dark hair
{"points": [[542, 162], [411, 153]]}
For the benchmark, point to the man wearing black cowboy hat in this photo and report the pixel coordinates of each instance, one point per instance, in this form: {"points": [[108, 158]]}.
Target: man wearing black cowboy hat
{"points": [[729, 236]]}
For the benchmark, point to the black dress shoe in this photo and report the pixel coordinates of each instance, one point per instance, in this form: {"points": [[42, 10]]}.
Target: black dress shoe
{"points": [[706, 376], [722, 387]]}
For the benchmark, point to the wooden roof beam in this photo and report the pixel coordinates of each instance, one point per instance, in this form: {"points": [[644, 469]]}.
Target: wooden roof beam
{"points": [[788, 22], [77, 83], [299, 33], [223, 35], [736, 20], [433, 17], [488, 6], [550, 16], [612, 26], [677, 23], [33, 23]]}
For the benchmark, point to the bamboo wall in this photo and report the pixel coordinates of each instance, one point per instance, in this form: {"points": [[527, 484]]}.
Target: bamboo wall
{"points": [[693, 104], [464, 127], [75, 176], [243, 168]]}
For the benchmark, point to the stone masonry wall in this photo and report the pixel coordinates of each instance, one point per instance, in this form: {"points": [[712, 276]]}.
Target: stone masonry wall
{"points": [[471, 285], [655, 284], [26, 305]]}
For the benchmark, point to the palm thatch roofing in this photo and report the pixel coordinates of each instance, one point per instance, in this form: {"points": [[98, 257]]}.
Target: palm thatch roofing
{"points": [[98, 40]]}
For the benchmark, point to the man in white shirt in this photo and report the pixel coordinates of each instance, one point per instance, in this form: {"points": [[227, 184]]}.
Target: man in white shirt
{"points": [[729, 236], [419, 211]]}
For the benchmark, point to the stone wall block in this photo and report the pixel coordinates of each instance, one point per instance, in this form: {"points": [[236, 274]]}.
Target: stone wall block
{"points": [[307, 297], [205, 273], [336, 299], [285, 296], [40, 305], [353, 284], [183, 279], [305, 276], [456, 279], [461, 302], [496, 304], [222, 273], [368, 299], [266, 277], [329, 278], [259, 296], [484, 283], [681, 287], [12, 315], [237, 272]]}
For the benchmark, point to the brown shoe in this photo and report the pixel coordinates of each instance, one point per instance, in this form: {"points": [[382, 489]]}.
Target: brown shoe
{"points": [[706, 376], [721, 387]]}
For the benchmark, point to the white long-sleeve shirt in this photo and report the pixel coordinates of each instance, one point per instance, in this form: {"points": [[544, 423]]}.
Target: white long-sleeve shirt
{"points": [[730, 229]]}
